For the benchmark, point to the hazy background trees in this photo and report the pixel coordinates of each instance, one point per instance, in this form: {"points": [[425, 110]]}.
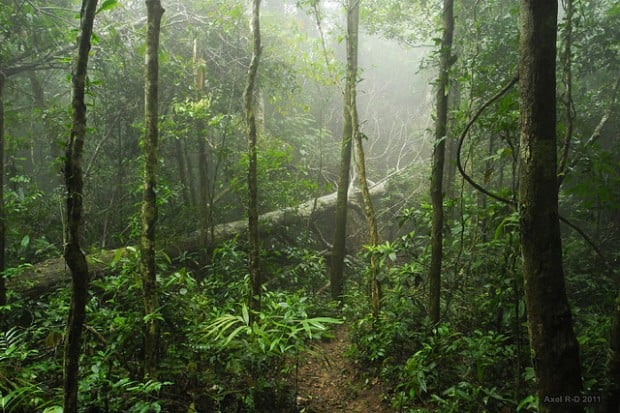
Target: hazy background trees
{"points": [[205, 52]]}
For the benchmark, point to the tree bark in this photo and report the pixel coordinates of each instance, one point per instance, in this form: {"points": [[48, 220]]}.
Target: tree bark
{"points": [[203, 179], [336, 267], [553, 344], [203, 165], [443, 85], [75, 259], [369, 210], [148, 267], [180, 155], [251, 130]]}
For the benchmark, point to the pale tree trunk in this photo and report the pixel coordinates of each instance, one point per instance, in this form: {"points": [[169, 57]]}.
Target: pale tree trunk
{"points": [[553, 344], [336, 267], [203, 178], [369, 210], [180, 155], [75, 259], [437, 168], [148, 268], [203, 166], [249, 95], [190, 174]]}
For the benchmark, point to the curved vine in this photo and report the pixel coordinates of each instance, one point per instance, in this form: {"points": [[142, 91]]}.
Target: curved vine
{"points": [[474, 118]]}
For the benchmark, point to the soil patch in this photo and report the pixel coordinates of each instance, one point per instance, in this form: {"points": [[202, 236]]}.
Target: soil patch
{"points": [[330, 383]]}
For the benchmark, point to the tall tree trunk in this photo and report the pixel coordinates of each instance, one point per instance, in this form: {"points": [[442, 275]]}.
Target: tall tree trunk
{"points": [[203, 178], [75, 259], [3, 290], [190, 174], [148, 268], [203, 166], [449, 179], [554, 346], [351, 107], [249, 95], [567, 63], [441, 123], [336, 267]]}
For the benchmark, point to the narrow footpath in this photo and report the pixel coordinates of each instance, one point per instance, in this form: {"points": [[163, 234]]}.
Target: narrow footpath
{"points": [[330, 383]]}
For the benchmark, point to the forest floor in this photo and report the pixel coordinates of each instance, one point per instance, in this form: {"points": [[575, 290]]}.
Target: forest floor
{"points": [[329, 382]]}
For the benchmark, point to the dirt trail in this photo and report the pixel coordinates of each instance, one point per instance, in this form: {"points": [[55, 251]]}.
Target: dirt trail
{"points": [[330, 383]]}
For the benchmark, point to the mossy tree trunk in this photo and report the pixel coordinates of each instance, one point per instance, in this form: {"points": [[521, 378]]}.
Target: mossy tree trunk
{"points": [[249, 95], [437, 169], [553, 344], [336, 264], [351, 107], [148, 268], [75, 259]]}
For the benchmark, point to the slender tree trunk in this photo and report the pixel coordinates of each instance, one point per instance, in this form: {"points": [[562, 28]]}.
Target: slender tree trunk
{"points": [[75, 259], [203, 166], [483, 198], [190, 175], [351, 108], [449, 180], [3, 291], [180, 155], [149, 200], [336, 268], [553, 344], [567, 63], [203, 176], [441, 123], [251, 129]]}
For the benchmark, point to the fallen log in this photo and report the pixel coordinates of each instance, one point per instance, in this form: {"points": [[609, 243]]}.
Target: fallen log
{"points": [[45, 276]]}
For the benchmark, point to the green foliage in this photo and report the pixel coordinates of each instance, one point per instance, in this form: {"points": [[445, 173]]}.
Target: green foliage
{"points": [[450, 370], [477, 360], [31, 226], [23, 385], [410, 23], [209, 351], [246, 352], [456, 366], [107, 5]]}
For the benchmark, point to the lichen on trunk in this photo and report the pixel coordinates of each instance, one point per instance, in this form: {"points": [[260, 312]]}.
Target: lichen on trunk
{"points": [[437, 168], [148, 267]]}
